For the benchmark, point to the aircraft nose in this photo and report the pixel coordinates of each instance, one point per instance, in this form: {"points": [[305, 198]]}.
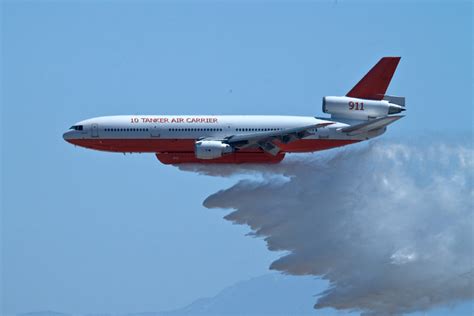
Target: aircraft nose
{"points": [[67, 136]]}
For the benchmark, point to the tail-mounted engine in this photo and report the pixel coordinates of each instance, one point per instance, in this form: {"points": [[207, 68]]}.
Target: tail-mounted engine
{"points": [[211, 149], [362, 109]]}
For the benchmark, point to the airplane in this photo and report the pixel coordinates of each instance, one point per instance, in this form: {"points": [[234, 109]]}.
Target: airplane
{"points": [[363, 113]]}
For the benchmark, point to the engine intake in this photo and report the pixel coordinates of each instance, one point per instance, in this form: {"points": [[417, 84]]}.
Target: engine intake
{"points": [[360, 109], [211, 149]]}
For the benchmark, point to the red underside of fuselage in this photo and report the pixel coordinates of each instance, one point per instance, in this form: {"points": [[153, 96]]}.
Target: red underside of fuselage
{"points": [[174, 151], [234, 158]]}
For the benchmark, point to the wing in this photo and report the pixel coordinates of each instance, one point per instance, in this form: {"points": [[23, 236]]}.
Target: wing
{"points": [[264, 140], [370, 125]]}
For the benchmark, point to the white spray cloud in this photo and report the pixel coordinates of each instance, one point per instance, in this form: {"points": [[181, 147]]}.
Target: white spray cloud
{"points": [[389, 225]]}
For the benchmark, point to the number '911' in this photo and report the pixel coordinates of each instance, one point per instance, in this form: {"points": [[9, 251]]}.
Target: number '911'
{"points": [[358, 106]]}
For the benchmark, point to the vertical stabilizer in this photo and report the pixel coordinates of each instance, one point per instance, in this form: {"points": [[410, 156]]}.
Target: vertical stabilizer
{"points": [[375, 83]]}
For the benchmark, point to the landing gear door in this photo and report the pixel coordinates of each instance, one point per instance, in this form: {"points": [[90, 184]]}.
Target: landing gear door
{"points": [[95, 130]]}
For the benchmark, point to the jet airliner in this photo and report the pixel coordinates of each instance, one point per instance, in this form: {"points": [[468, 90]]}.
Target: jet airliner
{"points": [[363, 113]]}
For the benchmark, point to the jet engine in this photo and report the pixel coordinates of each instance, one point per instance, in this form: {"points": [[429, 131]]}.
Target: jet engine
{"points": [[211, 149], [362, 109]]}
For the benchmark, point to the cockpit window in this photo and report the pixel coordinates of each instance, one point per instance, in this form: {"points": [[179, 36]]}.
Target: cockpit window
{"points": [[77, 127]]}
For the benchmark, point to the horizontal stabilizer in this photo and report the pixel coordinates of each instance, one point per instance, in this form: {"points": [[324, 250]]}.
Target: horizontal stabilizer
{"points": [[395, 100], [370, 125], [375, 83]]}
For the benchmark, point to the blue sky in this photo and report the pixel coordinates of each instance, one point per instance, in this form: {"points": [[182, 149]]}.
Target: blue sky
{"points": [[89, 231]]}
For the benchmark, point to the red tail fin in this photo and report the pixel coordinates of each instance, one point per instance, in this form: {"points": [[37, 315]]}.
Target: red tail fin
{"points": [[375, 83]]}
